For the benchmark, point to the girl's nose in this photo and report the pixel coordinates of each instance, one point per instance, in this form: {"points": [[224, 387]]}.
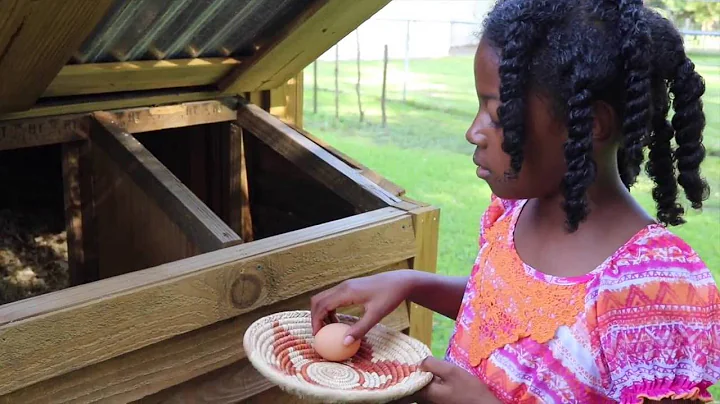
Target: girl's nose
{"points": [[475, 136]]}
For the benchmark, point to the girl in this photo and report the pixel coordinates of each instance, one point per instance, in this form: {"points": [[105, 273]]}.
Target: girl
{"points": [[577, 295]]}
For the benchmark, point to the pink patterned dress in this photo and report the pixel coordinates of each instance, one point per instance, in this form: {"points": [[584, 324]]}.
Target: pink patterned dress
{"points": [[644, 324]]}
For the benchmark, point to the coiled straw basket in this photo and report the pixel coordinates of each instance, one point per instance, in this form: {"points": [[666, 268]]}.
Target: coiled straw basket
{"points": [[385, 368]]}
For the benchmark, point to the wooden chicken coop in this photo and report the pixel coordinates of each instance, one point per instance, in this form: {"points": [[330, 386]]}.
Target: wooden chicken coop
{"points": [[158, 194]]}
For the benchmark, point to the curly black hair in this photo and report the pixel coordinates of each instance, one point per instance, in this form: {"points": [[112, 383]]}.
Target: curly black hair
{"points": [[579, 52]]}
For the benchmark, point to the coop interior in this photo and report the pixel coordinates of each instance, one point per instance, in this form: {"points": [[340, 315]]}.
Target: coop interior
{"points": [[277, 195], [252, 189], [33, 239]]}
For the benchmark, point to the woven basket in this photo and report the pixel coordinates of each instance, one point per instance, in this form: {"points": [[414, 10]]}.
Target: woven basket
{"points": [[385, 368]]}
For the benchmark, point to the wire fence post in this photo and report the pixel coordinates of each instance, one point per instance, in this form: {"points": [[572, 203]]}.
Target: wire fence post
{"points": [[357, 86], [315, 88], [407, 60], [337, 84], [384, 87]]}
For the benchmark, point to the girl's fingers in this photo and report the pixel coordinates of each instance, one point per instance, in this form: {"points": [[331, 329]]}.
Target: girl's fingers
{"points": [[324, 304]]}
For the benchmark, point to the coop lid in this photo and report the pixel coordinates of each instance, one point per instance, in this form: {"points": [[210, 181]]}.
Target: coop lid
{"points": [[80, 55]]}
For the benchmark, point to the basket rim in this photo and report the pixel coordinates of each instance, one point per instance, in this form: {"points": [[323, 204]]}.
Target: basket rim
{"points": [[302, 389]]}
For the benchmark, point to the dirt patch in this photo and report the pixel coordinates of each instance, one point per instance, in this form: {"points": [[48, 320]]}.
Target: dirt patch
{"points": [[33, 259]]}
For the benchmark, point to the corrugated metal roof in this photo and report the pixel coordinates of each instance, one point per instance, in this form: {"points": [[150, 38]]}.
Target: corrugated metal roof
{"points": [[178, 29]]}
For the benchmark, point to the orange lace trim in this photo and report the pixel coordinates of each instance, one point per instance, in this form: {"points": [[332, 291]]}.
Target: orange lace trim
{"points": [[511, 305]]}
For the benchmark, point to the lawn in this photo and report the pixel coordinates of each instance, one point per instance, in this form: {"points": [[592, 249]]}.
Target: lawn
{"points": [[424, 150]]}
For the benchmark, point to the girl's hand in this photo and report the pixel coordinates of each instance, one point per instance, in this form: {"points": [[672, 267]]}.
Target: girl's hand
{"points": [[380, 294], [450, 385]]}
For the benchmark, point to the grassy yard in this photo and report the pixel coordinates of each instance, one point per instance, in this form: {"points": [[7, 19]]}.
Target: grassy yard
{"points": [[424, 150]]}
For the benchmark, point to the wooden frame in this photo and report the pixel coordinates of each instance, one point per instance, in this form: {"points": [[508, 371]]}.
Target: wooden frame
{"points": [[103, 78], [166, 329], [24, 25]]}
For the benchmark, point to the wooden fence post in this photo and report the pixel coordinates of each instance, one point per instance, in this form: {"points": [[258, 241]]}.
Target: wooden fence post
{"points": [[426, 221], [384, 87]]}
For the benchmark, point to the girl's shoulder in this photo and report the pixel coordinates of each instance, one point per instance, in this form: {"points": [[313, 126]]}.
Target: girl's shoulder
{"points": [[498, 210], [656, 314], [653, 255]]}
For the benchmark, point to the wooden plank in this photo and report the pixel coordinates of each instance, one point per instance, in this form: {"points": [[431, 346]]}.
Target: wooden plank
{"points": [[101, 78], [139, 120], [324, 24], [37, 40], [134, 231], [426, 222], [159, 367], [80, 219], [202, 226], [240, 380], [240, 188], [286, 101], [43, 131], [131, 311], [48, 303], [114, 101], [313, 159], [384, 183]]}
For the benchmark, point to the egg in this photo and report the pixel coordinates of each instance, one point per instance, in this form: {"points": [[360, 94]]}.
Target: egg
{"points": [[328, 343]]}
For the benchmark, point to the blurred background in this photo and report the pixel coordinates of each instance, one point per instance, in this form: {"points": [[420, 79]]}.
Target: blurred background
{"points": [[398, 94]]}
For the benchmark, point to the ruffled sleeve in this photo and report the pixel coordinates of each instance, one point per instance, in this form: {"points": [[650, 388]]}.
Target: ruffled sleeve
{"points": [[658, 323], [498, 208]]}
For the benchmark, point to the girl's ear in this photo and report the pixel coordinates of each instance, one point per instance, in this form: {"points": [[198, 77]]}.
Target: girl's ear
{"points": [[606, 123]]}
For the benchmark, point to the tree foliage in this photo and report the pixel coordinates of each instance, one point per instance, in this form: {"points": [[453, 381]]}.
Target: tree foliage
{"points": [[705, 14]]}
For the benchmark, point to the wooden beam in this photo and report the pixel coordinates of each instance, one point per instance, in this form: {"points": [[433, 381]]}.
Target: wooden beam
{"points": [[426, 222], [313, 159], [179, 361], [94, 103], [202, 226], [146, 119], [286, 101], [241, 186], [102, 78], [36, 40], [41, 338], [324, 24], [43, 131], [373, 176], [81, 225]]}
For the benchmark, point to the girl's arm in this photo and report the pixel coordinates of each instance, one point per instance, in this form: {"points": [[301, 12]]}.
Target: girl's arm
{"points": [[439, 293]]}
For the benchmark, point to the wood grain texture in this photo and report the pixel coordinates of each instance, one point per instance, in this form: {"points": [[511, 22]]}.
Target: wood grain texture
{"points": [[286, 101], [80, 216], [157, 368], [240, 211], [103, 78], [36, 40], [134, 232], [94, 103], [204, 229], [17, 134], [132, 311], [313, 159], [324, 24], [139, 120], [426, 222]]}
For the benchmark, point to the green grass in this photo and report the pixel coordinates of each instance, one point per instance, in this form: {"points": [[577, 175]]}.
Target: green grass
{"points": [[424, 150]]}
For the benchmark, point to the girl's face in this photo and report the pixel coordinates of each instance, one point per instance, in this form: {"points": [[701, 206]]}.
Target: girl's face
{"points": [[543, 162]]}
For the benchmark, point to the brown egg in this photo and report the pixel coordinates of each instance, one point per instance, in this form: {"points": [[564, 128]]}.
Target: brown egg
{"points": [[329, 343]]}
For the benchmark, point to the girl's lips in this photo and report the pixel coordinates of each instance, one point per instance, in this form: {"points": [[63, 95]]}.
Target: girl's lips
{"points": [[482, 172]]}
